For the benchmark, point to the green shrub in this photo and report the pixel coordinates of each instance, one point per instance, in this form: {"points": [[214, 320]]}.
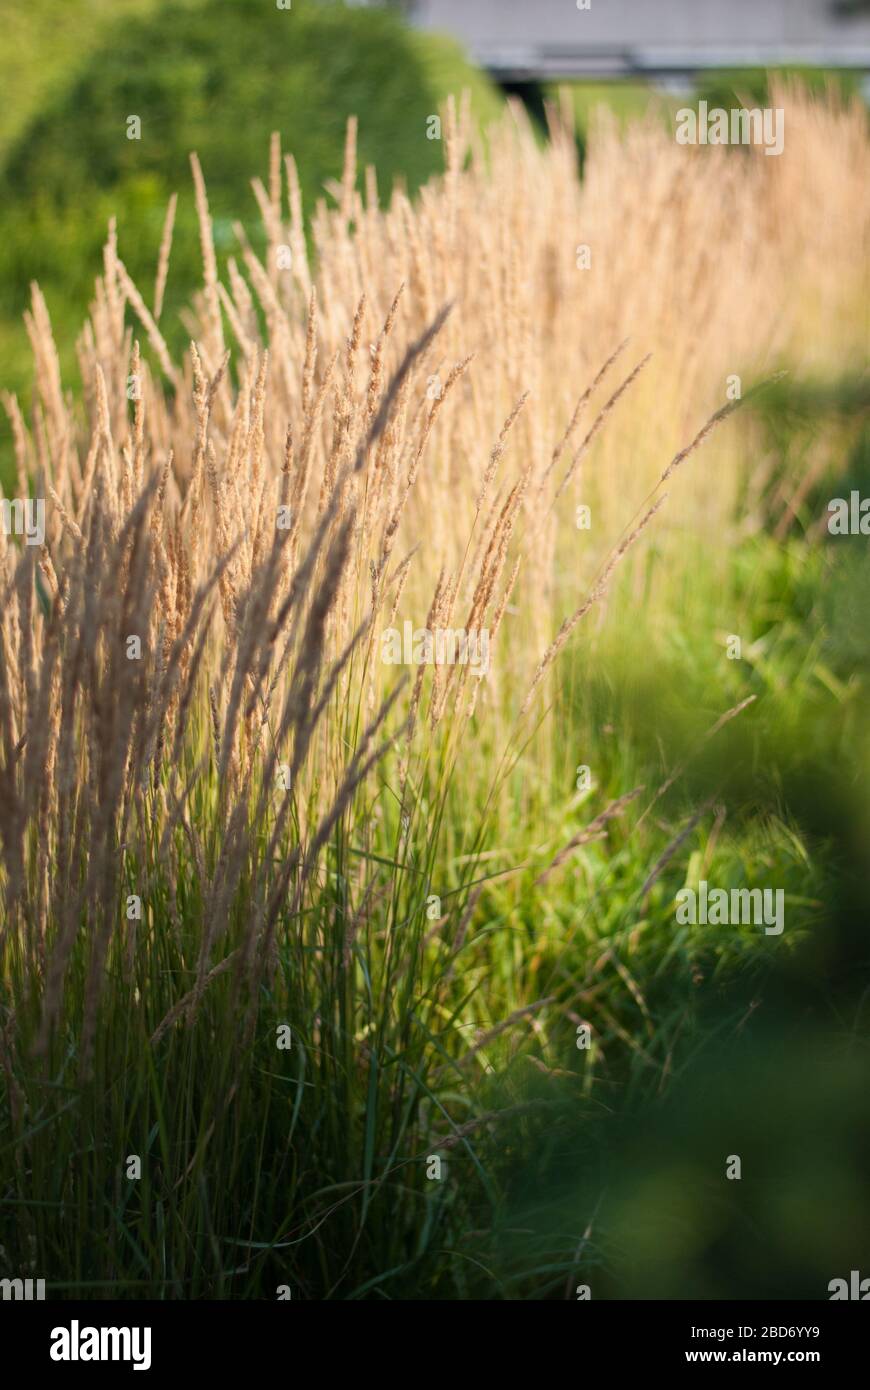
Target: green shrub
{"points": [[218, 78]]}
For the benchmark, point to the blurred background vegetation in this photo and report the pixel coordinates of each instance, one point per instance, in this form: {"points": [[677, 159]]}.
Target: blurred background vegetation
{"points": [[212, 76]]}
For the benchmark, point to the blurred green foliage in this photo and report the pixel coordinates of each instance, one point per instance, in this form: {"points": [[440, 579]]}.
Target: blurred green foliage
{"points": [[43, 45], [751, 86], [217, 77]]}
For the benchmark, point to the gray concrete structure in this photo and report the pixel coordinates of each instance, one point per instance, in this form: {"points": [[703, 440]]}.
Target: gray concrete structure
{"points": [[521, 39]]}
